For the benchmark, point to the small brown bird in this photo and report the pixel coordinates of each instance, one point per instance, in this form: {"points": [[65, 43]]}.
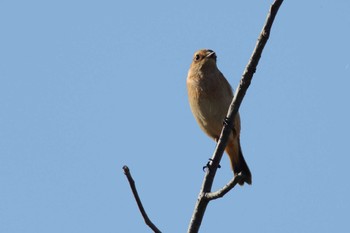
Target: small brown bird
{"points": [[210, 95]]}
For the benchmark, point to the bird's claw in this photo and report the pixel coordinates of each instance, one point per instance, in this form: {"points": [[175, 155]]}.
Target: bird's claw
{"points": [[226, 121], [208, 165], [229, 123]]}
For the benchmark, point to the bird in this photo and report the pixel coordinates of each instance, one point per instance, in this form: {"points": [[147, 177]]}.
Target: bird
{"points": [[209, 95]]}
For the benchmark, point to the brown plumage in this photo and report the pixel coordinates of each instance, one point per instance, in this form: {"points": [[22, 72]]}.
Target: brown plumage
{"points": [[210, 95]]}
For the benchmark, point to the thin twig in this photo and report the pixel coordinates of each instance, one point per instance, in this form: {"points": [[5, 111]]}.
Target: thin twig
{"points": [[221, 192], [247, 76], [138, 200]]}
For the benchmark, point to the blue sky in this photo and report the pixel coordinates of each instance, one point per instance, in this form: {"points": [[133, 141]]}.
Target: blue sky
{"points": [[89, 86]]}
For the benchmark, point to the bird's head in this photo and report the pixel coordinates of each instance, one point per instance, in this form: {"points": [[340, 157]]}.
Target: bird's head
{"points": [[204, 58]]}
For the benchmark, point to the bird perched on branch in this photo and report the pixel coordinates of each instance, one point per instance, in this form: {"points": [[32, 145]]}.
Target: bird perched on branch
{"points": [[210, 95]]}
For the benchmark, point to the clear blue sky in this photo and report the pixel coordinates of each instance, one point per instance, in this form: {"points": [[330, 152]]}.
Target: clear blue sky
{"points": [[88, 86]]}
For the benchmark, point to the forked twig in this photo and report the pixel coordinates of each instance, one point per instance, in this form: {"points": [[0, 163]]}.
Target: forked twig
{"points": [[221, 192]]}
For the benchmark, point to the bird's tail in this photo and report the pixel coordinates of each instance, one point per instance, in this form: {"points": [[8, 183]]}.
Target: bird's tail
{"points": [[238, 162]]}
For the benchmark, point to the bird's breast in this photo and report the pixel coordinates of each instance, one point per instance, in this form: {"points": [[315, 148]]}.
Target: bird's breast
{"points": [[208, 104]]}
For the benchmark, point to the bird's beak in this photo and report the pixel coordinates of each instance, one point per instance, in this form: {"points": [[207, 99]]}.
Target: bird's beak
{"points": [[211, 54]]}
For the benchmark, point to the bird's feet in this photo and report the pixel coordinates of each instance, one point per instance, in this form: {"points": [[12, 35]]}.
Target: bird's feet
{"points": [[230, 124], [208, 165]]}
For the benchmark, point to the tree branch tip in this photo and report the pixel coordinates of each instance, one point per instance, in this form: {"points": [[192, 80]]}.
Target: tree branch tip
{"points": [[126, 169]]}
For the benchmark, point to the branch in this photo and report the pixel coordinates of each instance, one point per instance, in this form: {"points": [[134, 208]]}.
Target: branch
{"points": [[138, 200], [221, 192], [205, 196]]}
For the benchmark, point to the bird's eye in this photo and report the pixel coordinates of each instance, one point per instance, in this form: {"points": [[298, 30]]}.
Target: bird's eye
{"points": [[197, 57]]}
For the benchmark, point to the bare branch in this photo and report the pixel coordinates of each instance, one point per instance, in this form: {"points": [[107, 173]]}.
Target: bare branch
{"points": [[138, 200], [247, 76], [221, 192]]}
